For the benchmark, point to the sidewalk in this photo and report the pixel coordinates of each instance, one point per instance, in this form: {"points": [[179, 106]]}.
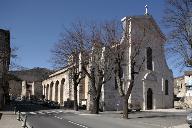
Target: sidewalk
{"points": [[180, 126], [141, 115], [8, 119], [167, 110]]}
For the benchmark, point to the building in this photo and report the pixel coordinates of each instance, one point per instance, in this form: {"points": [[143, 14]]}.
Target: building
{"points": [[15, 88], [153, 86], [183, 90], [27, 83], [4, 65], [188, 83], [58, 87], [179, 87], [32, 90]]}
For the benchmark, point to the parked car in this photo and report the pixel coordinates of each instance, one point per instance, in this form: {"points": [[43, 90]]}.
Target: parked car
{"points": [[69, 104], [135, 107], [53, 104], [82, 107], [40, 102], [189, 119], [18, 98]]}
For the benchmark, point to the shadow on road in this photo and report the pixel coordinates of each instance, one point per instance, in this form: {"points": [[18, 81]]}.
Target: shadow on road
{"points": [[158, 116], [27, 106]]}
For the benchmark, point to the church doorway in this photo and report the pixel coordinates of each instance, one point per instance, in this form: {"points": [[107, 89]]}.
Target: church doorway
{"points": [[149, 99]]}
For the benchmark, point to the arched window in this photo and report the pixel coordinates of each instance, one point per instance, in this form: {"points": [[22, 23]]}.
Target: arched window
{"points": [[166, 87], [149, 59], [121, 73], [116, 86]]}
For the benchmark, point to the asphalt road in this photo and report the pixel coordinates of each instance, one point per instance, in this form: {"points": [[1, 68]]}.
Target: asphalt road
{"points": [[58, 118], [70, 120], [50, 121], [64, 119]]}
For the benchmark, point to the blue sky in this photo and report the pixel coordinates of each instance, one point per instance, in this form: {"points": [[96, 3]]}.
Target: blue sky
{"points": [[35, 25]]}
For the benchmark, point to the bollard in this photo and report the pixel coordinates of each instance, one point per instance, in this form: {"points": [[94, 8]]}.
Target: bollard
{"points": [[19, 116], [24, 122], [15, 110]]}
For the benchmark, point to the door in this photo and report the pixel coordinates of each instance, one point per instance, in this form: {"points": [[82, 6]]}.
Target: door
{"points": [[149, 99]]}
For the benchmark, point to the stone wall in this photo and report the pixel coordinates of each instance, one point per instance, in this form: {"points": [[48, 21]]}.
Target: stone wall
{"points": [[65, 89], [111, 98], [38, 90], [24, 89], [15, 88]]}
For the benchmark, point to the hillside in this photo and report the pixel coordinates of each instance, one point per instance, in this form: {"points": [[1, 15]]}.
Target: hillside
{"points": [[35, 74]]}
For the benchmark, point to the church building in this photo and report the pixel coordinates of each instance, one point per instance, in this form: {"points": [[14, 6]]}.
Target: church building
{"points": [[153, 87]]}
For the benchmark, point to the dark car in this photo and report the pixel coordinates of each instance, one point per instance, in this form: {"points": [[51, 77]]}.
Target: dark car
{"points": [[40, 102], [53, 104], [189, 119]]}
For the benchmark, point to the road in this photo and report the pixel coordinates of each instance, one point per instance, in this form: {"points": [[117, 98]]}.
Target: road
{"points": [[65, 119], [59, 118], [71, 120]]}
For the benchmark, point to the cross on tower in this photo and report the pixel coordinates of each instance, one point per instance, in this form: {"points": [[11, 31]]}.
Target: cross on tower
{"points": [[146, 10]]}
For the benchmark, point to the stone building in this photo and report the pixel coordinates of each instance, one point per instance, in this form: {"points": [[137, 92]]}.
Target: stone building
{"points": [[31, 89], [188, 83], [4, 65], [179, 87], [58, 87], [15, 88], [27, 83], [183, 90], [153, 86]]}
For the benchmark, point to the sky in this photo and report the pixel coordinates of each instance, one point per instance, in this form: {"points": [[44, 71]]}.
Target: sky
{"points": [[35, 25]]}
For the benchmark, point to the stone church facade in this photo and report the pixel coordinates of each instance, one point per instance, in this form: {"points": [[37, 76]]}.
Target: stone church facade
{"points": [[153, 87]]}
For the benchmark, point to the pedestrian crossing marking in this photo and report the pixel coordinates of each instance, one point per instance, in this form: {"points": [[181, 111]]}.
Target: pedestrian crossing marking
{"points": [[23, 113], [42, 112], [33, 113], [77, 124]]}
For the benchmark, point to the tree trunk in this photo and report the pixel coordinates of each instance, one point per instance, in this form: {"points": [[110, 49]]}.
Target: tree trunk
{"points": [[125, 108], [95, 107], [75, 98]]}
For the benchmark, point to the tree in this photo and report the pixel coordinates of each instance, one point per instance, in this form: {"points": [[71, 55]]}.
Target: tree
{"points": [[128, 55], [83, 49], [104, 37], [178, 18], [67, 51]]}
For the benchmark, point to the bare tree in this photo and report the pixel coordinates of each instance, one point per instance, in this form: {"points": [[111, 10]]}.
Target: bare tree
{"points": [[13, 58], [130, 50], [99, 68], [66, 53], [84, 48], [178, 18]]}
